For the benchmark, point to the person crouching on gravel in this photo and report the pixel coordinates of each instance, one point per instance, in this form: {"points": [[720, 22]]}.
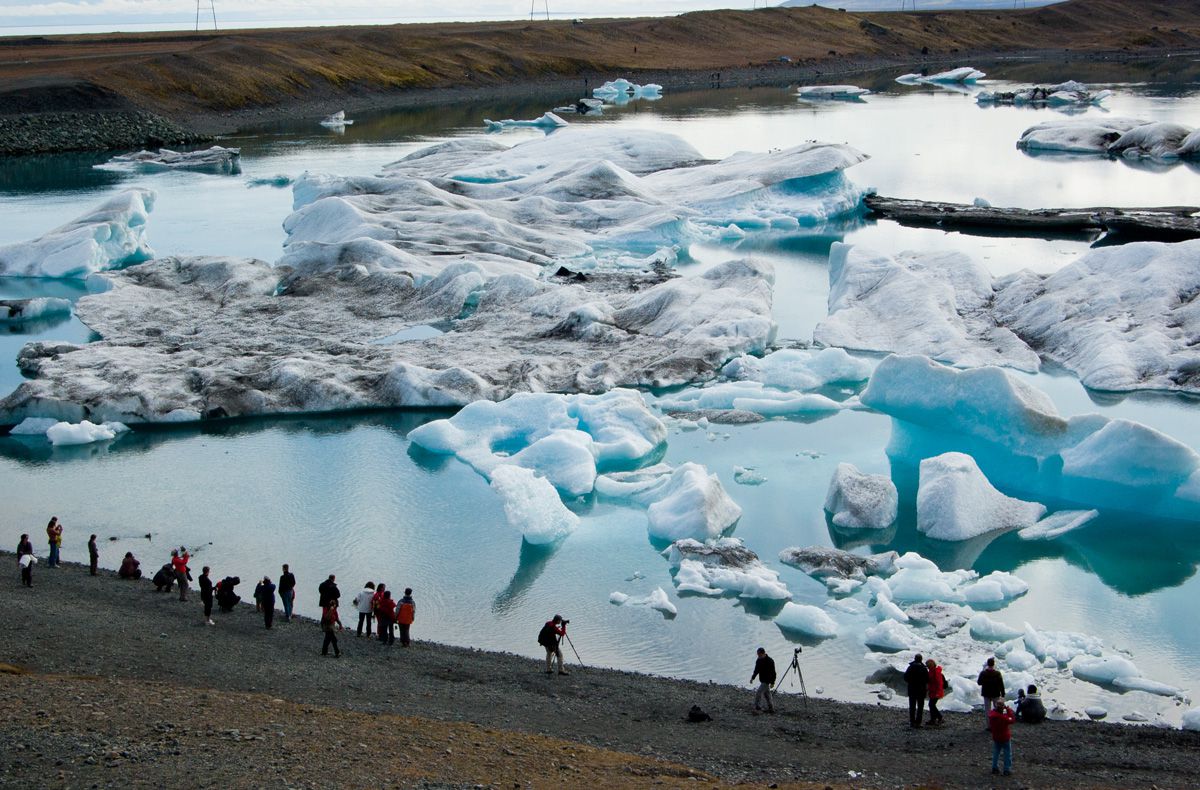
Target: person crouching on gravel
{"points": [[1000, 721], [550, 637], [330, 621], [764, 670], [130, 567]]}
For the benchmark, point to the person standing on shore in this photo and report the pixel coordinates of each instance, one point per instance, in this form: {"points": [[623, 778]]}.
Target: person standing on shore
{"points": [[287, 592], [206, 595], [363, 603], [1000, 720], [328, 591], [179, 564], [24, 546], [406, 614], [330, 620], [385, 618], [991, 686], [764, 670], [937, 690], [549, 637], [265, 595], [54, 532], [917, 679], [26, 564], [93, 555]]}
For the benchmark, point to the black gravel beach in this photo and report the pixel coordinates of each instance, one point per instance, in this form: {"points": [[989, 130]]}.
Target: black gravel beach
{"points": [[109, 683]]}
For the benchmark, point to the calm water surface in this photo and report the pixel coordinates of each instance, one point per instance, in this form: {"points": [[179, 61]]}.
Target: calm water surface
{"points": [[349, 493]]}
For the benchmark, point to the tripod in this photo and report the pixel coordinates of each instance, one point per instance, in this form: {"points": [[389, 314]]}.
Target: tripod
{"points": [[573, 650], [799, 675]]}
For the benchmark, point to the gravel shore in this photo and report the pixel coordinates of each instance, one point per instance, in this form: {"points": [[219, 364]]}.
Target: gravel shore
{"points": [[100, 630]]}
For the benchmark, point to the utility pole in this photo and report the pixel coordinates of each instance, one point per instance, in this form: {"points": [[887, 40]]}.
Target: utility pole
{"points": [[212, 4]]}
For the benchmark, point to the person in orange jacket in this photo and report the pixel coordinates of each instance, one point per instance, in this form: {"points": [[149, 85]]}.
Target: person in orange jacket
{"points": [[406, 613], [937, 690]]}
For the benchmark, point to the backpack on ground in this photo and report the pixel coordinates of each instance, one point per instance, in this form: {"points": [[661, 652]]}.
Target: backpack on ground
{"points": [[697, 714]]}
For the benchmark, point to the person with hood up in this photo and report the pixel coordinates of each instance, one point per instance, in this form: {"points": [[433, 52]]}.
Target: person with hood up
{"points": [[937, 690], [916, 677]]}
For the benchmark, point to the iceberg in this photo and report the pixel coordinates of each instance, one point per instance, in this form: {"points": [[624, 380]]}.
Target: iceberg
{"points": [[621, 90], [216, 159], [1091, 460], [1191, 720], [691, 504], [335, 120], [1061, 647], [934, 304], [1131, 138], [843, 92], [532, 505], [111, 236], [33, 426], [23, 311], [1103, 670], [747, 396], [955, 501], [1058, 524], [987, 629], [723, 565], [1065, 94], [961, 75], [655, 600], [892, 636], [547, 121], [85, 432], [859, 501], [821, 563], [793, 369], [1138, 683], [806, 620]]}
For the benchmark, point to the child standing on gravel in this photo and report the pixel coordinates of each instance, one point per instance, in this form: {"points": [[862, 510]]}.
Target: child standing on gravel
{"points": [[27, 562], [330, 620], [1000, 720]]}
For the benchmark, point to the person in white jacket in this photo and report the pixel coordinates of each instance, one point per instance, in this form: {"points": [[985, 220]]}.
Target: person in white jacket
{"points": [[362, 602]]}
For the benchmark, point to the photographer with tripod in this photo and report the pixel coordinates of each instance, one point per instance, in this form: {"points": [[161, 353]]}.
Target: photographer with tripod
{"points": [[550, 637]]}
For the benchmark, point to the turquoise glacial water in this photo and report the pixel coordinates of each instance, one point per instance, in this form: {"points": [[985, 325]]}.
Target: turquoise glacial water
{"points": [[349, 494]]}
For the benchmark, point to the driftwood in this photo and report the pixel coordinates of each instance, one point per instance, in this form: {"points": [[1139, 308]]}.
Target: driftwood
{"points": [[1168, 223]]}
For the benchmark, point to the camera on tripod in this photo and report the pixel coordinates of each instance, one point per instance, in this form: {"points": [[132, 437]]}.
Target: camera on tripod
{"points": [[565, 621], [797, 651]]}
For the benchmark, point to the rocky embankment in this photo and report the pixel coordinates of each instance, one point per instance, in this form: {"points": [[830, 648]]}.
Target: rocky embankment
{"points": [[117, 685], [90, 131]]}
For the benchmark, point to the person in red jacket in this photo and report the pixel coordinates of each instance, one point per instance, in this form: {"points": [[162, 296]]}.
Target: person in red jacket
{"points": [[385, 619], [1000, 720], [937, 690], [179, 564]]}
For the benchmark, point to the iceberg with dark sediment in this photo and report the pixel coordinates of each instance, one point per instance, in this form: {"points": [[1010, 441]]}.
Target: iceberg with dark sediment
{"points": [[1065, 94], [216, 159], [110, 236], [723, 565], [859, 501], [1130, 138], [23, 311], [1122, 318], [465, 235]]}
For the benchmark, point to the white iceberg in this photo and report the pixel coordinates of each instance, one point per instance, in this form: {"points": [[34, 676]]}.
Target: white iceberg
{"points": [[859, 501], [934, 304], [657, 599], [723, 565], [987, 629], [806, 620], [336, 120], [831, 92], [532, 505], [961, 75], [1191, 720], [1103, 670], [546, 121], [1139, 683], [216, 159], [622, 90], [1131, 138], [747, 396], [891, 635], [1061, 647], [955, 501], [85, 432], [22, 311], [691, 504], [1058, 524], [111, 236], [793, 369]]}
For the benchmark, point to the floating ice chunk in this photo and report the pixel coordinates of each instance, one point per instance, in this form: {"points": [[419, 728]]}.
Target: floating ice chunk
{"points": [[887, 610], [1021, 660], [956, 502], [65, 433], [842, 586], [335, 120], [214, 160], [1131, 454], [657, 599], [821, 562], [546, 121], [1121, 318], [33, 426], [723, 565], [1057, 524], [792, 369], [691, 504], [111, 236], [945, 618], [964, 74], [20, 311], [531, 504], [621, 90], [922, 581], [1068, 93], [929, 303], [1090, 135], [806, 620], [279, 181], [981, 203], [987, 629], [748, 396], [890, 635], [747, 476], [1103, 670], [563, 437], [996, 587], [1061, 646], [1191, 720], [860, 501], [1160, 140], [831, 92], [1138, 683], [1137, 717]]}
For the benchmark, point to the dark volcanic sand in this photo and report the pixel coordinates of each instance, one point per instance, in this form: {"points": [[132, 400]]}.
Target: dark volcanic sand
{"points": [[71, 623]]}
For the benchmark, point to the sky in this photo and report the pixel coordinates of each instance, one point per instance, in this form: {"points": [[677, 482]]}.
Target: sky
{"points": [[22, 17]]}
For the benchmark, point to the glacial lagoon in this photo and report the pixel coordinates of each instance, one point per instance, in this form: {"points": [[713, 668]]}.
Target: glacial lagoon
{"points": [[350, 493]]}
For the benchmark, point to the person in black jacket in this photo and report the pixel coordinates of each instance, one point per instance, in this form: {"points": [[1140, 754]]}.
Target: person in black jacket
{"points": [[226, 597], [764, 670], [264, 595], [917, 678], [287, 592], [991, 685], [206, 595], [328, 591], [164, 579]]}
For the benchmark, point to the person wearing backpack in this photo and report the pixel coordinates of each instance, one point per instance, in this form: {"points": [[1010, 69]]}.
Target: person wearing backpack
{"points": [[406, 613], [330, 620], [550, 637]]}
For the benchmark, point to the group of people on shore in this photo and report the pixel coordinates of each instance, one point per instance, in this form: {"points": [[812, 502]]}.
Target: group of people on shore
{"points": [[925, 680], [375, 603]]}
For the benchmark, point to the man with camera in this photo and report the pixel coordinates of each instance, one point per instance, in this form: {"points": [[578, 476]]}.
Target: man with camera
{"points": [[550, 637]]}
